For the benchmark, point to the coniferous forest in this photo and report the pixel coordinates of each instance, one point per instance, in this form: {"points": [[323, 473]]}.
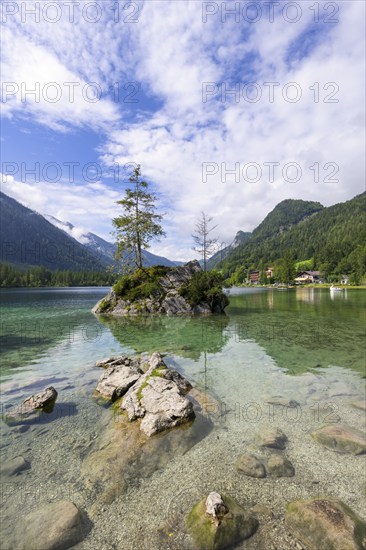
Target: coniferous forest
{"points": [[11, 276]]}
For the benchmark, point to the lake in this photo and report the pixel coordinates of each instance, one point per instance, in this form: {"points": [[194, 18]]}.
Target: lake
{"points": [[303, 344]]}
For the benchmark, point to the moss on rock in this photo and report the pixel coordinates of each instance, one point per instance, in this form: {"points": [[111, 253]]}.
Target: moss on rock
{"points": [[326, 524], [209, 534]]}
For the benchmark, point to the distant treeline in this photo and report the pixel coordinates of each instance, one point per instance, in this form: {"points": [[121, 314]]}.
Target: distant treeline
{"points": [[11, 276]]}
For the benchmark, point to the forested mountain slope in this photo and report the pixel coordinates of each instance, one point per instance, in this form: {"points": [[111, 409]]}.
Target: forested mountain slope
{"points": [[332, 236]]}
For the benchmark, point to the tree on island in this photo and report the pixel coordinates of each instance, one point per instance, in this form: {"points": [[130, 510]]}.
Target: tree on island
{"points": [[204, 244], [139, 224]]}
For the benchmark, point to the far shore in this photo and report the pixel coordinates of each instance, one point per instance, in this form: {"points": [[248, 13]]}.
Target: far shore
{"points": [[310, 285]]}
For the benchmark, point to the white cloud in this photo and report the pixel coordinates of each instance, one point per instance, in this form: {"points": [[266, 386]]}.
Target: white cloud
{"points": [[173, 144], [172, 53], [28, 68]]}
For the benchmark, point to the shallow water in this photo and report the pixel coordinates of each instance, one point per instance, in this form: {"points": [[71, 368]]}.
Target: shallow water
{"points": [[302, 344]]}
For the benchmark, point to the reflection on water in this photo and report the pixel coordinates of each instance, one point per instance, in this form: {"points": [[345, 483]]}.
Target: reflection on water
{"points": [[339, 295], [183, 336], [304, 328], [306, 294], [311, 294]]}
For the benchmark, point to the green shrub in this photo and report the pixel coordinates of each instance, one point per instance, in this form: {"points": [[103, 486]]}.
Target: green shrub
{"points": [[104, 305], [123, 285], [205, 287], [141, 284]]}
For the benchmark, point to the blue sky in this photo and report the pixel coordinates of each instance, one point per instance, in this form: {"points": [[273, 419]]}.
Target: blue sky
{"points": [[191, 92]]}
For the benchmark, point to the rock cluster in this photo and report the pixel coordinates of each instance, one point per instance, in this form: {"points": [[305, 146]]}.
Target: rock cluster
{"points": [[266, 462], [151, 392]]}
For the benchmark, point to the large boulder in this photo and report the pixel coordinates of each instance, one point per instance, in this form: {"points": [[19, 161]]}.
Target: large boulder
{"points": [[55, 526], [123, 454], [159, 398], [219, 522], [164, 405], [32, 407], [326, 524], [341, 438]]}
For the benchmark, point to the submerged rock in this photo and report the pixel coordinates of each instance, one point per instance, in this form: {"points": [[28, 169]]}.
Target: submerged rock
{"points": [[32, 407], [326, 524], [219, 522], [56, 526], [274, 465], [283, 401], [123, 454], [14, 466], [279, 466], [341, 438], [272, 437], [251, 466]]}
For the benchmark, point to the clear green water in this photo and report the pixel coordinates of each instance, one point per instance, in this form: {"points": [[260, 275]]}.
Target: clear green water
{"points": [[50, 334], [268, 343]]}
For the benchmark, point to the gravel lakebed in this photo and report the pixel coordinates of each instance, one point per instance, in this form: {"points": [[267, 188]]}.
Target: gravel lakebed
{"points": [[151, 510]]}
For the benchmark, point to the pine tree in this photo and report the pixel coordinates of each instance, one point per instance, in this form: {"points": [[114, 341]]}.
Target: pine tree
{"points": [[139, 224]]}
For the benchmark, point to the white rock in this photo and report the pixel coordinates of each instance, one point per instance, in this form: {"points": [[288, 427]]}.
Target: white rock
{"points": [[215, 506], [116, 380]]}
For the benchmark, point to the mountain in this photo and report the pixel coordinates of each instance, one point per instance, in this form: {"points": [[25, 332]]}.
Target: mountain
{"points": [[333, 237], [240, 238], [28, 239], [105, 250]]}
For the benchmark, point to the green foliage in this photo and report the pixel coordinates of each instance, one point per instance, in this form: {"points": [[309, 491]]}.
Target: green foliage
{"points": [[139, 224], [143, 283], [286, 270], [204, 287], [238, 277], [11, 276], [104, 305], [304, 265]]}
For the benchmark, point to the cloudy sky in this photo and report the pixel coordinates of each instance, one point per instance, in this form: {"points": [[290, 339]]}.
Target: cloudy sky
{"points": [[229, 107]]}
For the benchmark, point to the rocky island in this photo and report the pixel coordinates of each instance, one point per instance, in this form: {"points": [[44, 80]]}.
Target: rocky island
{"points": [[180, 290]]}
